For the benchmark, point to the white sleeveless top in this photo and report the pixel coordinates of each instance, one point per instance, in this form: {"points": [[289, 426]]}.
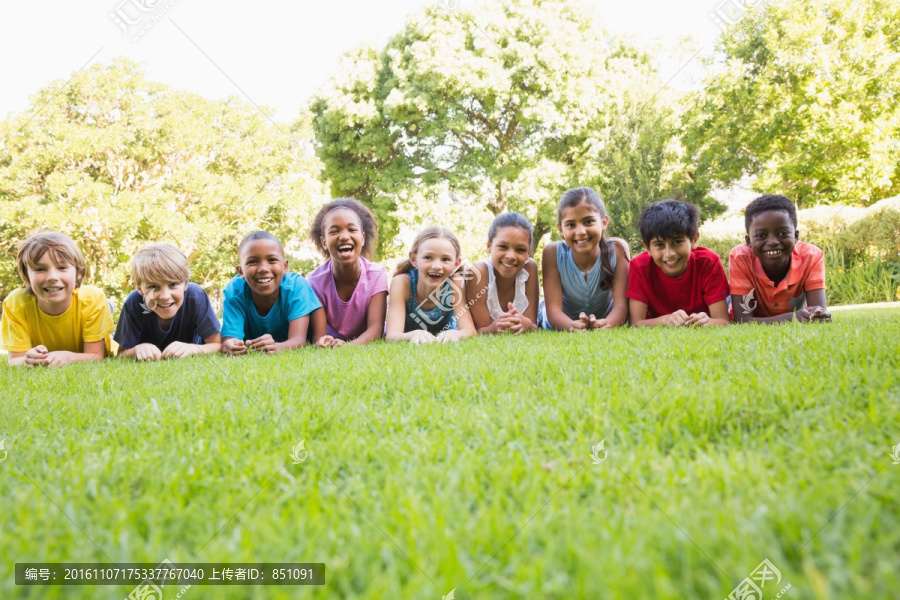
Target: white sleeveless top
{"points": [[493, 302]]}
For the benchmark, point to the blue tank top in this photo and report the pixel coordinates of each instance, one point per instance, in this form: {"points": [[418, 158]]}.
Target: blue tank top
{"points": [[437, 319], [581, 291]]}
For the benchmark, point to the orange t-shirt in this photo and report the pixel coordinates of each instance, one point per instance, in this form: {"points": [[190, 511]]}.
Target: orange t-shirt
{"points": [[806, 273]]}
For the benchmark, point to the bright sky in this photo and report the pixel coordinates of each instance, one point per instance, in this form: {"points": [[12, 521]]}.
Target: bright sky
{"points": [[273, 53]]}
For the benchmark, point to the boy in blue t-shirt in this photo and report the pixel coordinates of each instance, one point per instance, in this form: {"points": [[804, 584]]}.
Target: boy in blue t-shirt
{"points": [[165, 317], [265, 304]]}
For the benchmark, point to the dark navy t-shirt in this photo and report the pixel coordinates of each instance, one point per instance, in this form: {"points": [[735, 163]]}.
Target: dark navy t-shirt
{"points": [[194, 322]]}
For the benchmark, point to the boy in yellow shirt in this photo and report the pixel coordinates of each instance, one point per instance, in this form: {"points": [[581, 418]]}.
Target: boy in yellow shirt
{"points": [[52, 320]]}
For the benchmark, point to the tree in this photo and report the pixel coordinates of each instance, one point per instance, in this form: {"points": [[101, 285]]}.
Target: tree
{"points": [[805, 100], [115, 162], [509, 103]]}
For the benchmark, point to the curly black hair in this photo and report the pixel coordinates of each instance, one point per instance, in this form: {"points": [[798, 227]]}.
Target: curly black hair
{"points": [[369, 226], [766, 203]]}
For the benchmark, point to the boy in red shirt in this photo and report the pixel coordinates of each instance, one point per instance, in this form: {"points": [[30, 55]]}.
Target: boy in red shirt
{"points": [[675, 282], [774, 275]]}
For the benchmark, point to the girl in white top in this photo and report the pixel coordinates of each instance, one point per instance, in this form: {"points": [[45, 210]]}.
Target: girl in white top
{"points": [[502, 293]]}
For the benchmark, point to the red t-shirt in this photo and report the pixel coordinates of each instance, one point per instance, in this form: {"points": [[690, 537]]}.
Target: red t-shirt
{"points": [[702, 283]]}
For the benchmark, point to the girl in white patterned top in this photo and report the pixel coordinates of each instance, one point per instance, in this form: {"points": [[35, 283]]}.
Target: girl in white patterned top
{"points": [[502, 292]]}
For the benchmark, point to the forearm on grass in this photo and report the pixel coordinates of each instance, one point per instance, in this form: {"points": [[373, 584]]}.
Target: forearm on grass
{"points": [[16, 359], [209, 348], [649, 322]]}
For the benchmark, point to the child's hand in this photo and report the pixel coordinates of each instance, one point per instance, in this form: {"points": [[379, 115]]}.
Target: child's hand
{"points": [[602, 324], [60, 358], [147, 352], [701, 319], [451, 335], [264, 343], [420, 336], [234, 347], [179, 350], [511, 320], [676, 319], [802, 315], [327, 341], [36, 357], [819, 313]]}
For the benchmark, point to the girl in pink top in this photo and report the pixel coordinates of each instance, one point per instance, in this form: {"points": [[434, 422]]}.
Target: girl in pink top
{"points": [[353, 291]]}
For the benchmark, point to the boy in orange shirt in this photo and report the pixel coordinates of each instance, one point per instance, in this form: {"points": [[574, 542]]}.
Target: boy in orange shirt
{"points": [[774, 276], [53, 320]]}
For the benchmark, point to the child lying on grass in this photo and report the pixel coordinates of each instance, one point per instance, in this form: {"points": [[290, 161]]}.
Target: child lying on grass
{"points": [[267, 308], [774, 276], [53, 320], [165, 317], [676, 282]]}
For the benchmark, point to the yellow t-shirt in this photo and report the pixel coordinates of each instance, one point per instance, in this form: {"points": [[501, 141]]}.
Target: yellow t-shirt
{"points": [[25, 326]]}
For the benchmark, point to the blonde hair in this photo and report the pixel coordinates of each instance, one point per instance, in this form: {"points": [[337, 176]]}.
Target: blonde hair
{"points": [[159, 263], [429, 233], [63, 251]]}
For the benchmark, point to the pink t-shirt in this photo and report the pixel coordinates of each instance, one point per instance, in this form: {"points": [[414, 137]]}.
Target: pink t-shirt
{"points": [[347, 320]]}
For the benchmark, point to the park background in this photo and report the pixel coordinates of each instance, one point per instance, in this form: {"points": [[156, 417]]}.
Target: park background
{"points": [[450, 115], [633, 463]]}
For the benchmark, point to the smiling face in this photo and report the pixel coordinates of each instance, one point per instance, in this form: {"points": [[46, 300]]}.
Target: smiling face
{"points": [[263, 266], [582, 226], [52, 284], [163, 298], [672, 255], [772, 237], [509, 250], [436, 259], [344, 237]]}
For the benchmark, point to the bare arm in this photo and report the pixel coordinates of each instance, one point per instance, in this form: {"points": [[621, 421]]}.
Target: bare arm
{"points": [[464, 325], [815, 300], [210, 345], [319, 324], [619, 313], [396, 317], [718, 314], [639, 316], [817, 305], [553, 293], [296, 334], [476, 295], [737, 301], [92, 351], [16, 359], [374, 320]]}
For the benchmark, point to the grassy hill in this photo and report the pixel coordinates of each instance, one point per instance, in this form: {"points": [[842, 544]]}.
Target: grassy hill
{"points": [[468, 467]]}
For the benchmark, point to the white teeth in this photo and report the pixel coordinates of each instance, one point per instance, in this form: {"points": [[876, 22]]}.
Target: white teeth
{"points": [[265, 280], [773, 252]]}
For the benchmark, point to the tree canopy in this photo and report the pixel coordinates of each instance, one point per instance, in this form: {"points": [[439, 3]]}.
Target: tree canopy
{"points": [[116, 161], [509, 103], [805, 100]]}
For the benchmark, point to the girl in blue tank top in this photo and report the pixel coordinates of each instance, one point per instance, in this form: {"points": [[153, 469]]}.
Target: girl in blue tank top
{"points": [[427, 298], [585, 275]]}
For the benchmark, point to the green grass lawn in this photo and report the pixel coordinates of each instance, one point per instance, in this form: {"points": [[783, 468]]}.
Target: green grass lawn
{"points": [[467, 466]]}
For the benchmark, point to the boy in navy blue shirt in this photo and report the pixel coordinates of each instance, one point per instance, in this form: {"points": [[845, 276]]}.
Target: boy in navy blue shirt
{"points": [[165, 317]]}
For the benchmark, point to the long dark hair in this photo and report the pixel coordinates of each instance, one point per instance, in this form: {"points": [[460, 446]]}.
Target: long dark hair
{"points": [[571, 199], [512, 219]]}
